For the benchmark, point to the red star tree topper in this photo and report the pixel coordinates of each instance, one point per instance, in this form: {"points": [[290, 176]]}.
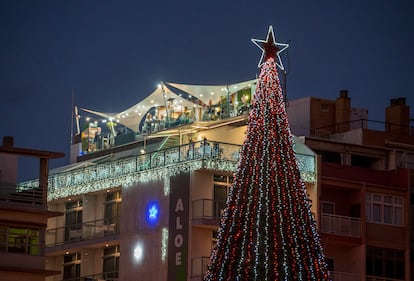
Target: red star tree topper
{"points": [[267, 231]]}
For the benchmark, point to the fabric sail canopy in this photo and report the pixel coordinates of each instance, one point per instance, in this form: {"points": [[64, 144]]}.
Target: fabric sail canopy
{"points": [[174, 94]]}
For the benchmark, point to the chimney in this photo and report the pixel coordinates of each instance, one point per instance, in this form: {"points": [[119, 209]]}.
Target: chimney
{"points": [[8, 141], [397, 117], [342, 112]]}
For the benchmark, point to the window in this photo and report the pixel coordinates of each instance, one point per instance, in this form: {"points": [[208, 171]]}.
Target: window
{"points": [[221, 188], [324, 107], [113, 202], [111, 262], [363, 161], [385, 262], [73, 220], [71, 266], [214, 239], [328, 207], [384, 208], [330, 156], [19, 240]]}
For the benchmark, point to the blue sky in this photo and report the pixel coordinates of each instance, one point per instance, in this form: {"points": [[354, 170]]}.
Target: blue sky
{"points": [[114, 53]]}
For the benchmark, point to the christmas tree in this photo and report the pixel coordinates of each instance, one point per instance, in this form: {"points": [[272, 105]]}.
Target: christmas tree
{"points": [[267, 231]]}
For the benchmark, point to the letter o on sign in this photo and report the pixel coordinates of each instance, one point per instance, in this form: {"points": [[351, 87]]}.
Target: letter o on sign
{"points": [[178, 240]]}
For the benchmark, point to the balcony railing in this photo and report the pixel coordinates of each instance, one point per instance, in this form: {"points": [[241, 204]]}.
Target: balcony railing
{"points": [[199, 266], [15, 195], [376, 278], [216, 155], [344, 276], [341, 225], [104, 276], [208, 209], [327, 131], [84, 231]]}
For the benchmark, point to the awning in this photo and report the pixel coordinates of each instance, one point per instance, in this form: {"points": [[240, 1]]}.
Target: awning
{"points": [[176, 94]]}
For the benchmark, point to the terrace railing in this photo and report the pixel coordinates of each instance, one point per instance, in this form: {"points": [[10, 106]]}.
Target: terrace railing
{"points": [[83, 231], [217, 154], [199, 266], [345, 276], [208, 209], [341, 225], [104, 276], [326, 131], [15, 195], [377, 278]]}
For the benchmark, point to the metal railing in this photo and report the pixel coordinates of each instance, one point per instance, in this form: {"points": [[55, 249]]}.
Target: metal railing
{"points": [[344, 276], [326, 131], [377, 278], [174, 155], [104, 276], [14, 194], [199, 266], [208, 209], [83, 231], [155, 159], [341, 225], [220, 154]]}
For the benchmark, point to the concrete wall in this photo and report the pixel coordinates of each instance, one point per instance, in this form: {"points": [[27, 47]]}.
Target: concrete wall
{"points": [[8, 168], [341, 255], [298, 112], [136, 231], [228, 134], [202, 185], [54, 263]]}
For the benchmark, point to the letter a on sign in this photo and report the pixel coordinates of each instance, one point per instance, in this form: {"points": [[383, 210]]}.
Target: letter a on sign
{"points": [[179, 206]]}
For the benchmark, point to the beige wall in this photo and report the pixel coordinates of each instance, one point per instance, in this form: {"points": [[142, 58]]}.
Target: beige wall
{"points": [[201, 238], [91, 261], [342, 261], [54, 263], [228, 134], [13, 276], [202, 185], [135, 230]]}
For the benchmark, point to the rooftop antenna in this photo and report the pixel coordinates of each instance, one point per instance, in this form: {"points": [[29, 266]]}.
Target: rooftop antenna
{"points": [[71, 123], [285, 73]]}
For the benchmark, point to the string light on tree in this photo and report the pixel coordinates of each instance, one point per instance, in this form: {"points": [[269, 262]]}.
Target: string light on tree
{"points": [[270, 48], [267, 231]]}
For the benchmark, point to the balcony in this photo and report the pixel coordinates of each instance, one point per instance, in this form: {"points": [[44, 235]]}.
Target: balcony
{"points": [[344, 276], [341, 225], [193, 156], [104, 276], [13, 194], [199, 266], [377, 278], [79, 232], [207, 212]]}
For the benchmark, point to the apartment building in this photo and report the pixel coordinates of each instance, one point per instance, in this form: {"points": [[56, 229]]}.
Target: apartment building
{"points": [[145, 203], [366, 182], [23, 216]]}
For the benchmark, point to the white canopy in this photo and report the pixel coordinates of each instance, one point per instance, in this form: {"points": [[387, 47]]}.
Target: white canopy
{"points": [[178, 94], [211, 93]]}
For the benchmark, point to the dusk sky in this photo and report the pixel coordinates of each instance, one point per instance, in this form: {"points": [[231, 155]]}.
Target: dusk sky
{"points": [[114, 53]]}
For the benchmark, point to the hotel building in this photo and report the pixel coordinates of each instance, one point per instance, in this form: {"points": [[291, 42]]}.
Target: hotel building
{"points": [[143, 195]]}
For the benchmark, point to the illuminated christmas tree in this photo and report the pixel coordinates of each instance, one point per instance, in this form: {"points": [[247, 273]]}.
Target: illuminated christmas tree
{"points": [[267, 231]]}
